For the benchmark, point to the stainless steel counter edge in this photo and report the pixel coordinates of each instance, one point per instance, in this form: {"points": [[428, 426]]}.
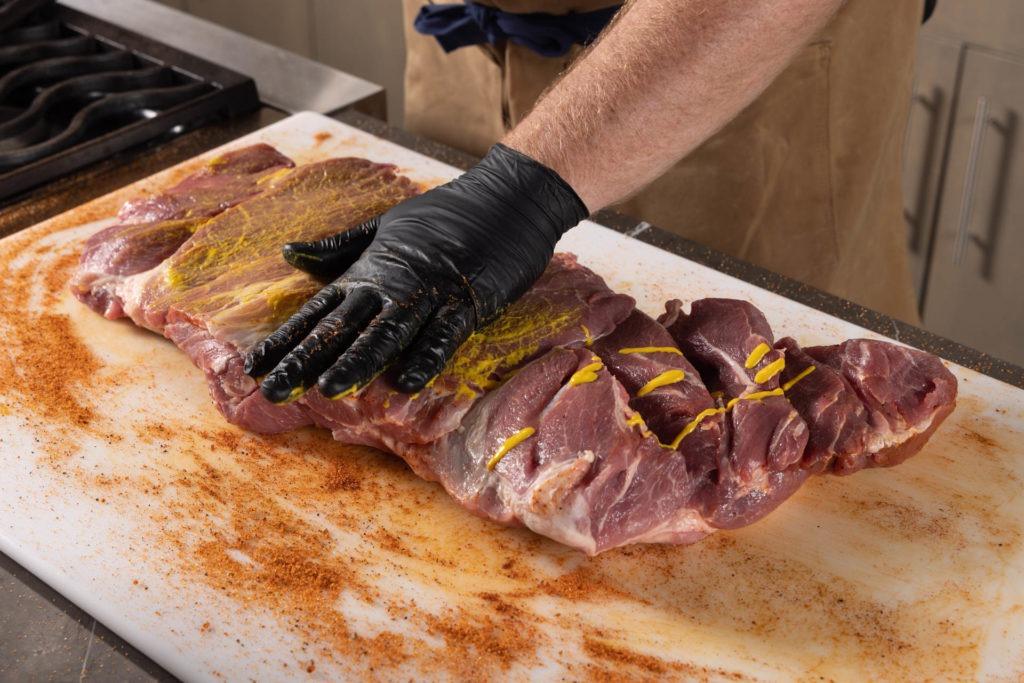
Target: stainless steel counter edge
{"points": [[285, 80]]}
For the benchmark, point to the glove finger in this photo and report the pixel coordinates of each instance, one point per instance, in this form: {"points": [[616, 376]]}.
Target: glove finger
{"points": [[379, 345], [331, 256], [269, 352], [299, 369], [428, 355]]}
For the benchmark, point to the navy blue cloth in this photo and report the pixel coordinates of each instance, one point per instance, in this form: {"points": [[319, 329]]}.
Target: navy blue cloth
{"points": [[550, 35]]}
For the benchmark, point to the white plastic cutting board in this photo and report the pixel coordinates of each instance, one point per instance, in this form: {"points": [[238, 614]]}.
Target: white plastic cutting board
{"points": [[224, 555]]}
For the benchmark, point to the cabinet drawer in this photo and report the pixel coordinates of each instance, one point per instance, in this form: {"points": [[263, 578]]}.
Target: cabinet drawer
{"points": [[932, 101], [974, 292]]}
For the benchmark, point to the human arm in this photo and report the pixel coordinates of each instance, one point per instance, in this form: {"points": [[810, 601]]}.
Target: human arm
{"points": [[664, 77]]}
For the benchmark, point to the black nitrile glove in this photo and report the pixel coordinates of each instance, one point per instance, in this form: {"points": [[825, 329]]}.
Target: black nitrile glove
{"points": [[418, 279]]}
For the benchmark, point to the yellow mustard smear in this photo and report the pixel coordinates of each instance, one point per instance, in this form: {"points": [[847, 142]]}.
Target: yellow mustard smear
{"points": [[664, 379], [294, 394], [465, 393], [588, 339], [586, 374], [770, 370], [198, 263], [270, 177], [651, 349], [636, 420], [754, 396], [806, 371], [759, 352], [246, 239], [252, 231], [348, 392], [692, 425], [273, 302], [510, 443], [505, 343]]}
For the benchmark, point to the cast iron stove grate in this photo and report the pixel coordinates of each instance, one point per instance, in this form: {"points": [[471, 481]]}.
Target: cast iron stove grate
{"points": [[75, 89]]}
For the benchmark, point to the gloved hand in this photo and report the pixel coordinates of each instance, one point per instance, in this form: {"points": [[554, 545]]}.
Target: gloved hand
{"points": [[436, 267]]}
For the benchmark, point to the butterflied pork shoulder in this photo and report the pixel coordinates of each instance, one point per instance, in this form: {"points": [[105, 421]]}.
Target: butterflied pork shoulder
{"points": [[573, 413], [150, 229]]}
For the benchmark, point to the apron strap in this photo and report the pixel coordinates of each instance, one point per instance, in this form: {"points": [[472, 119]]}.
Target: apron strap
{"points": [[550, 35]]}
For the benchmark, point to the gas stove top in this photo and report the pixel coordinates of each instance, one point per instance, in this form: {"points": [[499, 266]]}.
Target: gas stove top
{"points": [[75, 89]]}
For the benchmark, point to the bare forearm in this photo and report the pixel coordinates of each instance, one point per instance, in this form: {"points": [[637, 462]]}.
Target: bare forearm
{"points": [[661, 80]]}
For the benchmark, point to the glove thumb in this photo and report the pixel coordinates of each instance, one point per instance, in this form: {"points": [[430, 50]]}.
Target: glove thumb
{"points": [[331, 256]]}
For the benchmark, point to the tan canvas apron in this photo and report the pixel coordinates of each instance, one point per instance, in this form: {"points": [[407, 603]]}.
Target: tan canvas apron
{"points": [[805, 181]]}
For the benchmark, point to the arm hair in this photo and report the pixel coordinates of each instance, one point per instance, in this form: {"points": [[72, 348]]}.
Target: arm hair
{"points": [[661, 79]]}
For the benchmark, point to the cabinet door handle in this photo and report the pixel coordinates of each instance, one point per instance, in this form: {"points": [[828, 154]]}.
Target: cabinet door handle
{"points": [[933, 108], [967, 195]]}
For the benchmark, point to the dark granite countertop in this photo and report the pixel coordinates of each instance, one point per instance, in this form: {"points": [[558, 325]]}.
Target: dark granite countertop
{"points": [[45, 637]]}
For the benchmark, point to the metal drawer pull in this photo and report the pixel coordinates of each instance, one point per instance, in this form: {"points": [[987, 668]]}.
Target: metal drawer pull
{"points": [[967, 196], [933, 107]]}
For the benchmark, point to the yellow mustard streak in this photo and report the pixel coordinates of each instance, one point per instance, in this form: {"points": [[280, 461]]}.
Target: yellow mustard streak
{"points": [[759, 352], [755, 396], [295, 394], [587, 338], [662, 380], [637, 420], [270, 177], [651, 349], [465, 392], [515, 336], [510, 443], [694, 423], [770, 370], [806, 371], [587, 373], [717, 394], [355, 387], [348, 392]]}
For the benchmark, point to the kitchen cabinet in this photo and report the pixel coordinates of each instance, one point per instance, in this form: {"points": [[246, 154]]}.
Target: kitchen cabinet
{"points": [[927, 128], [963, 175], [974, 291]]}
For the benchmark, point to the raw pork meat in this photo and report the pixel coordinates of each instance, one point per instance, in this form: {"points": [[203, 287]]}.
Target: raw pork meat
{"points": [[573, 413], [151, 229]]}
